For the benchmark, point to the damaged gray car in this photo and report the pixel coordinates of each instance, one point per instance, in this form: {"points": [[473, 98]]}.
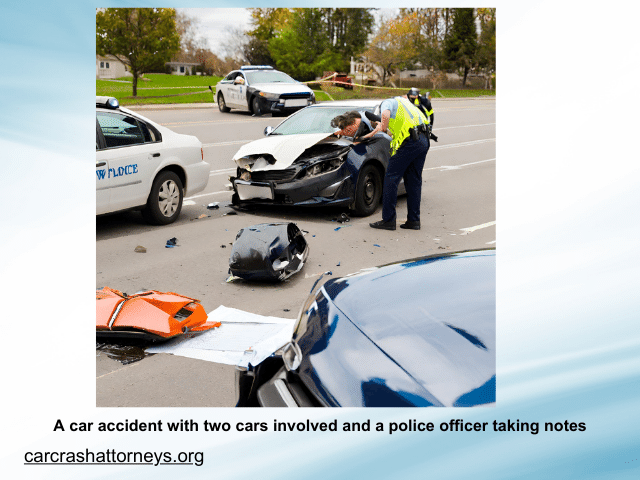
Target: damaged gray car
{"points": [[300, 163]]}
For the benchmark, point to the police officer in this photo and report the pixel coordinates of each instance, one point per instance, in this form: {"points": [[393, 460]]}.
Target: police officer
{"points": [[409, 145], [424, 104]]}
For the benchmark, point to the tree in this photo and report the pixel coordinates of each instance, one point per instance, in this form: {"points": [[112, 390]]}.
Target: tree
{"points": [[268, 22], [486, 56], [190, 39], [138, 37], [256, 52], [395, 45], [348, 30], [304, 42], [461, 44]]}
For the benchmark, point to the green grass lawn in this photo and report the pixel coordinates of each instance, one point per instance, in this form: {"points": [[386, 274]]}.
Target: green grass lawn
{"points": [[157, 88]]}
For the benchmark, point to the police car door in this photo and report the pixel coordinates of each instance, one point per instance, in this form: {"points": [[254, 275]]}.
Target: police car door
{"points": [[102, 179], [132, 159], [238, 92]]}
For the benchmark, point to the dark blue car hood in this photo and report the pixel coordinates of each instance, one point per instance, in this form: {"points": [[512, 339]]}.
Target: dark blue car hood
{"points": [[425, 330]]}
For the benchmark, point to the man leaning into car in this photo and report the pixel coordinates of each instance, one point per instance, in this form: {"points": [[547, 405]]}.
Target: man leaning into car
{"points": [[354, 124], [409, 146]]}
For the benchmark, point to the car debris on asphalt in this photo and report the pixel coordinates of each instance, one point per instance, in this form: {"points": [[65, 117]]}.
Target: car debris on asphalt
{"points": [[172, 242], [342, 218], [147, 315], [243, 338], [268, 252]]}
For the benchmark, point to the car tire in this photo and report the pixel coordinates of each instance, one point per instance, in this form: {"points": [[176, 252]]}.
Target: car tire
{"points": [[165, 200], [255, 107], [222, 106], [368, 191]]}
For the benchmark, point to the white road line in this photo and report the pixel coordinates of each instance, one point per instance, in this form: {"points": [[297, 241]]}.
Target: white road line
{"points": [[435, 147], [457, 167], [463, 144], [224, 171], [443, 167], [213, 173], [223, 144], [464, 126], [468, 230], [490, 243]]}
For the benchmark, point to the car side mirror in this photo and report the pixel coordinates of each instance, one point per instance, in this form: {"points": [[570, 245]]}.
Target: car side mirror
{"points": [[267, 130]]}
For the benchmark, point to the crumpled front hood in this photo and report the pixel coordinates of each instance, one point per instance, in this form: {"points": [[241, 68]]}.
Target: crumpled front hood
{"points": [[284, 148], [281, 87]]}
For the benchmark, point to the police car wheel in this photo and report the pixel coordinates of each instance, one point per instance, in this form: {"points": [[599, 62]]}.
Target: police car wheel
{"points": [[255, 106], [222, 106], [165, 200], [368, 191]]}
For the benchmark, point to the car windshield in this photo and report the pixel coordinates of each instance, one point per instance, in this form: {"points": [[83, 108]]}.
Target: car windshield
{"points": [[314, 120], [268, 76]]}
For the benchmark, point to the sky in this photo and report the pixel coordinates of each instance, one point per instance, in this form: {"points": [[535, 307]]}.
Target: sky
{"points": [[214, 24]]}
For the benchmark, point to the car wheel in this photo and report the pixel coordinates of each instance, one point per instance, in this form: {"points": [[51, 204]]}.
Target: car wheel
{"points": [[221, 104], [255, 106], [368, 191], [165, 200]]}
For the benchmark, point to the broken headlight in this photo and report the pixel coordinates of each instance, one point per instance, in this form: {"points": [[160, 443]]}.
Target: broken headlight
{"points": [[324, 166]]}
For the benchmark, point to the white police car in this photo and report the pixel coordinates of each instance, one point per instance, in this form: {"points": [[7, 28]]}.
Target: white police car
{"points": [[261, 89], [143, 165]]}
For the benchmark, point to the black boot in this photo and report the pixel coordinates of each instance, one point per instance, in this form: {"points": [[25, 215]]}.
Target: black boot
{"points": [[411, 225], [390, 225]]}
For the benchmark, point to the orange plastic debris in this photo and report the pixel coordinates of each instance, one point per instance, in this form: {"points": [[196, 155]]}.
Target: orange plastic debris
{"points": [[164, 315]]}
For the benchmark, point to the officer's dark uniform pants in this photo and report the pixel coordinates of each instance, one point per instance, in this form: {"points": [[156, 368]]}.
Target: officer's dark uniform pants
{"points": [[407, 163]]}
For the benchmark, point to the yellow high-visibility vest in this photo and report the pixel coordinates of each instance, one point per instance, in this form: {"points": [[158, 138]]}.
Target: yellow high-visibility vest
{"points": [[407, 117], [429, 113]]}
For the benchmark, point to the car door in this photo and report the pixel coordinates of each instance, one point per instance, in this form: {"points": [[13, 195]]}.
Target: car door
{"points": [[102, 179], [132, 158], [237, 92], [223, 87]]}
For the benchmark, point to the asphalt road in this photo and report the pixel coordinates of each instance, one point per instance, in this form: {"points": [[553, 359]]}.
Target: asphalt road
{"points": [[458, 213]]}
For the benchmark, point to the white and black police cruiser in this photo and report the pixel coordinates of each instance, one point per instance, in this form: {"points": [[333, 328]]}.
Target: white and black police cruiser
{"points": [[260, 89], [143, 165]]}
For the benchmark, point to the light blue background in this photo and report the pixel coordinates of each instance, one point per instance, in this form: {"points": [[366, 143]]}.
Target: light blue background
{"points": [[567, 229]]}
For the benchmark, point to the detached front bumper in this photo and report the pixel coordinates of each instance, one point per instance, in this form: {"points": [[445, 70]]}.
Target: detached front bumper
{"points": [[333, 188]]}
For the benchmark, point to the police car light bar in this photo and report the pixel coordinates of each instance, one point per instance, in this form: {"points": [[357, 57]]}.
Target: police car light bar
{"points": [[256, 67], [107, 102]]}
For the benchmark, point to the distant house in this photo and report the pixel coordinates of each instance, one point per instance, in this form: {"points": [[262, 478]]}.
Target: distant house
{"points": [[181, 68], [365, 72], [417, 73], [110, 67]]}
